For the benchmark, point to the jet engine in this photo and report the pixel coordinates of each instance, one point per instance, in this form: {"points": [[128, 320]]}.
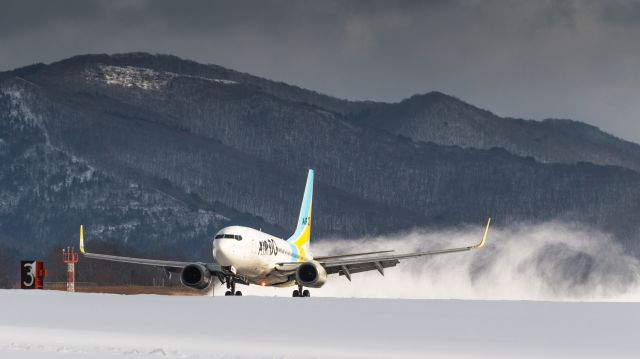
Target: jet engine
{"points": [[311, 274], [196, 276]]}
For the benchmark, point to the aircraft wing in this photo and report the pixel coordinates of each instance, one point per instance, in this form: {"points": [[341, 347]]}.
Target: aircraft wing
{"points": [[171, 266], [151, 262], [348, 265], [324, 258]]}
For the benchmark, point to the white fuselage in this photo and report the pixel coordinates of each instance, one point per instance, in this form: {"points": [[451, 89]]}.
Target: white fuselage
{"points": [[254, 254]]}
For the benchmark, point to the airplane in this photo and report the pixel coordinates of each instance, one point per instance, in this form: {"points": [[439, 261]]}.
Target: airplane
{"points": [[243, 255]]}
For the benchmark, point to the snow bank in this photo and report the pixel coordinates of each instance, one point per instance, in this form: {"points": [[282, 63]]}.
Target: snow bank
{"points": [[63, 325]]}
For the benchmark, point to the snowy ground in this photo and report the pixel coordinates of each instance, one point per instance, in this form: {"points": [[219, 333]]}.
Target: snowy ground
{"points": [[47, 324]]}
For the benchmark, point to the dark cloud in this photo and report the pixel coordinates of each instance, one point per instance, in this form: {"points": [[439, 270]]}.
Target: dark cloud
{"points": [[532, 59], [626, 13]]}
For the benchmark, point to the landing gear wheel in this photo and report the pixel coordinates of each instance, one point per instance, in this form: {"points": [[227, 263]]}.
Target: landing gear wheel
{"points": [[239, 293], [306, 293], [231, 285], [296, 293]]}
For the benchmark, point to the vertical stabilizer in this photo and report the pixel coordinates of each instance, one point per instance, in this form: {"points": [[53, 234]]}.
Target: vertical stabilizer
{"points": [[301, 238]]}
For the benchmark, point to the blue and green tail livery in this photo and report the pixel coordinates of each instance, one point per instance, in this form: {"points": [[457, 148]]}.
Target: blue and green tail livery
{"points": [[301, 238]]}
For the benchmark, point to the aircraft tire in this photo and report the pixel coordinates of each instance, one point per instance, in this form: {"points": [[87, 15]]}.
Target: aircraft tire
{"points": [[228, 293], [296, 293], [306, 293], [239, 293]]}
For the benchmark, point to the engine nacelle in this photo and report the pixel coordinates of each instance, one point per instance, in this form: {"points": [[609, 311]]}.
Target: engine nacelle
{"points": [[195, 276], [311, 274]]}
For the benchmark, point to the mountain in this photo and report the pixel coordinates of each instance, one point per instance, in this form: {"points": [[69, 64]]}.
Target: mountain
{"points": [[156, 153], [446, 120]]}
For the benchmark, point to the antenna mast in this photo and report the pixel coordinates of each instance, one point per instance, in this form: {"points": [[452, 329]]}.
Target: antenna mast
{"points": [[70, 256]]}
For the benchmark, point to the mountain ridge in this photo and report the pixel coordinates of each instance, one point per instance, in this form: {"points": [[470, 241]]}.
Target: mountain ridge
{"points": [[626, 156], [444, 119]]}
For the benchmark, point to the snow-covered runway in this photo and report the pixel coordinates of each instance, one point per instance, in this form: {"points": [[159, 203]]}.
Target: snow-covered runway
{"points": [[49, 324]]}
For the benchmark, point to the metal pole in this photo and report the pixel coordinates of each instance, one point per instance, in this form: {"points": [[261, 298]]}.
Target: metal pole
{"points": [[71, 278]]}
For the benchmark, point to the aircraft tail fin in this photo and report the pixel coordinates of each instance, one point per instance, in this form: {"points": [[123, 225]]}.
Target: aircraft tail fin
{"points": [[301, 238]]}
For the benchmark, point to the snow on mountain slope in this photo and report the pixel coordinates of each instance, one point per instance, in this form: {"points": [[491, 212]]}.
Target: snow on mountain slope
{"points": [[142, 78], [62, 325]]}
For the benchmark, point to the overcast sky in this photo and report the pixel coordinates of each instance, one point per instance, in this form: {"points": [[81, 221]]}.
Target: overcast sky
{"points": [[529, 59]]}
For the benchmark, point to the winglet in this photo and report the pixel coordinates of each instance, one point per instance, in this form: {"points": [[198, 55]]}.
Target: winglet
{"points": [[82, 239], [484, 237]]}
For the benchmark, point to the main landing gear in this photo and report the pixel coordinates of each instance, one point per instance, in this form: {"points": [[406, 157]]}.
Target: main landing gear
{"points": [[301, 293], [231, 285]]}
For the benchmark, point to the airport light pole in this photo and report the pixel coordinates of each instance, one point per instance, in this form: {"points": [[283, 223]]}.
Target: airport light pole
{"points": [[70, 256]]}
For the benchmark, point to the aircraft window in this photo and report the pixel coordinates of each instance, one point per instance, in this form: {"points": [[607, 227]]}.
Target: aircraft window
{"points": [[234, 236]]}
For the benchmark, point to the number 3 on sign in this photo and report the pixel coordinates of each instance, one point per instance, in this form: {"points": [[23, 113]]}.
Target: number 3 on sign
{"points": [[31, 273]]}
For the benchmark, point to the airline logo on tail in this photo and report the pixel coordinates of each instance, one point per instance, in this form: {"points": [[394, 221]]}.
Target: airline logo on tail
{"points": [[301, 238]]}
